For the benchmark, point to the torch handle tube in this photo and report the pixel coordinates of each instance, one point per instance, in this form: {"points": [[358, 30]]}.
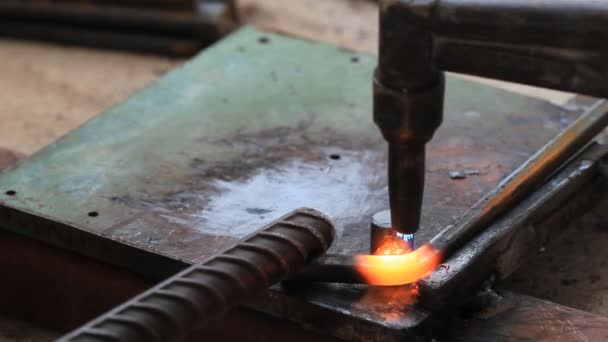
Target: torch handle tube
{"points": [[208, 289]]}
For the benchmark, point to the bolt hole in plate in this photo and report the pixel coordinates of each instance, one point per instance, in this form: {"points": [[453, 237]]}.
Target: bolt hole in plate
{"points": [[264, 40], [335, 157], [11, 192], [354, 59], [93, 214]]}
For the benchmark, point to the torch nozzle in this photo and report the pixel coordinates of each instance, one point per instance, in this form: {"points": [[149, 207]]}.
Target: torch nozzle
{"points": [[406, 186], [387, 241]]}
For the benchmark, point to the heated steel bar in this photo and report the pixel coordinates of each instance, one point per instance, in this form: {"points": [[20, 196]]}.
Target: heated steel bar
{"points": [[381, 270], [208, 289], [331, 268]]}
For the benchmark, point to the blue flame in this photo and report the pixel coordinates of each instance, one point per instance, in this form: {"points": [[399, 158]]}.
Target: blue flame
{"points": [[408, 238]]}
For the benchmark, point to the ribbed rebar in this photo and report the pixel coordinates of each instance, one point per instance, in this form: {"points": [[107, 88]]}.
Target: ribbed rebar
{"points": [[208, 289]]}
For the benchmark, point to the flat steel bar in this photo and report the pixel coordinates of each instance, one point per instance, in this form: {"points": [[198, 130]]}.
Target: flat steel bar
{"points": [[207, 290]]}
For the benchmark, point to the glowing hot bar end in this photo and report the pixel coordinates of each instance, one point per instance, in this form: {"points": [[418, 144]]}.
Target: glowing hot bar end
{"points": [[394, 260], [391, 270]]}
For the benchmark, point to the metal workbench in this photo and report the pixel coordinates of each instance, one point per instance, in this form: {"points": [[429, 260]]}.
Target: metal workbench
{"points": [[252, 128]]}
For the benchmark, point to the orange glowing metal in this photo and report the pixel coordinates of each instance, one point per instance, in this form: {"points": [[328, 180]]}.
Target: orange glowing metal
{"points": [[389, 270], [393, 248]]}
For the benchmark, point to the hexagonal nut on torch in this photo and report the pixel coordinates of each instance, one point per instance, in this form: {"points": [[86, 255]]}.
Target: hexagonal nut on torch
{"points": [[408, 117]]}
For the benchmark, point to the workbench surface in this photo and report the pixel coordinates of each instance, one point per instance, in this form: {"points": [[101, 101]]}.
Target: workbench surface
{"points": [[252, 128]]}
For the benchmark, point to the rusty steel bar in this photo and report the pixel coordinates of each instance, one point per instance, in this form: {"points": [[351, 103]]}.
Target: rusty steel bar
{"points": [[171, 46], [208, 289], [97, 15], [176, 32], [165, 4]]}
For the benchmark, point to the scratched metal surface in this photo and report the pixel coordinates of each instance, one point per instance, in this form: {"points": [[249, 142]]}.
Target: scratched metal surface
{"points": [[245, 132], [516, 317]]}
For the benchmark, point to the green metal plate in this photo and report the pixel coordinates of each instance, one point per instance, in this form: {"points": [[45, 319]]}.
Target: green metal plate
{"points": [[244, 133]]}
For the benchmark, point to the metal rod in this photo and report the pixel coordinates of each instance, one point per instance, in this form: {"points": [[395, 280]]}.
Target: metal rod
{"points": [[331, 268], [381, 270], [112, 16], [208, 289], [151, 20], [164, 4], [176, 32], [171, 46]]}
